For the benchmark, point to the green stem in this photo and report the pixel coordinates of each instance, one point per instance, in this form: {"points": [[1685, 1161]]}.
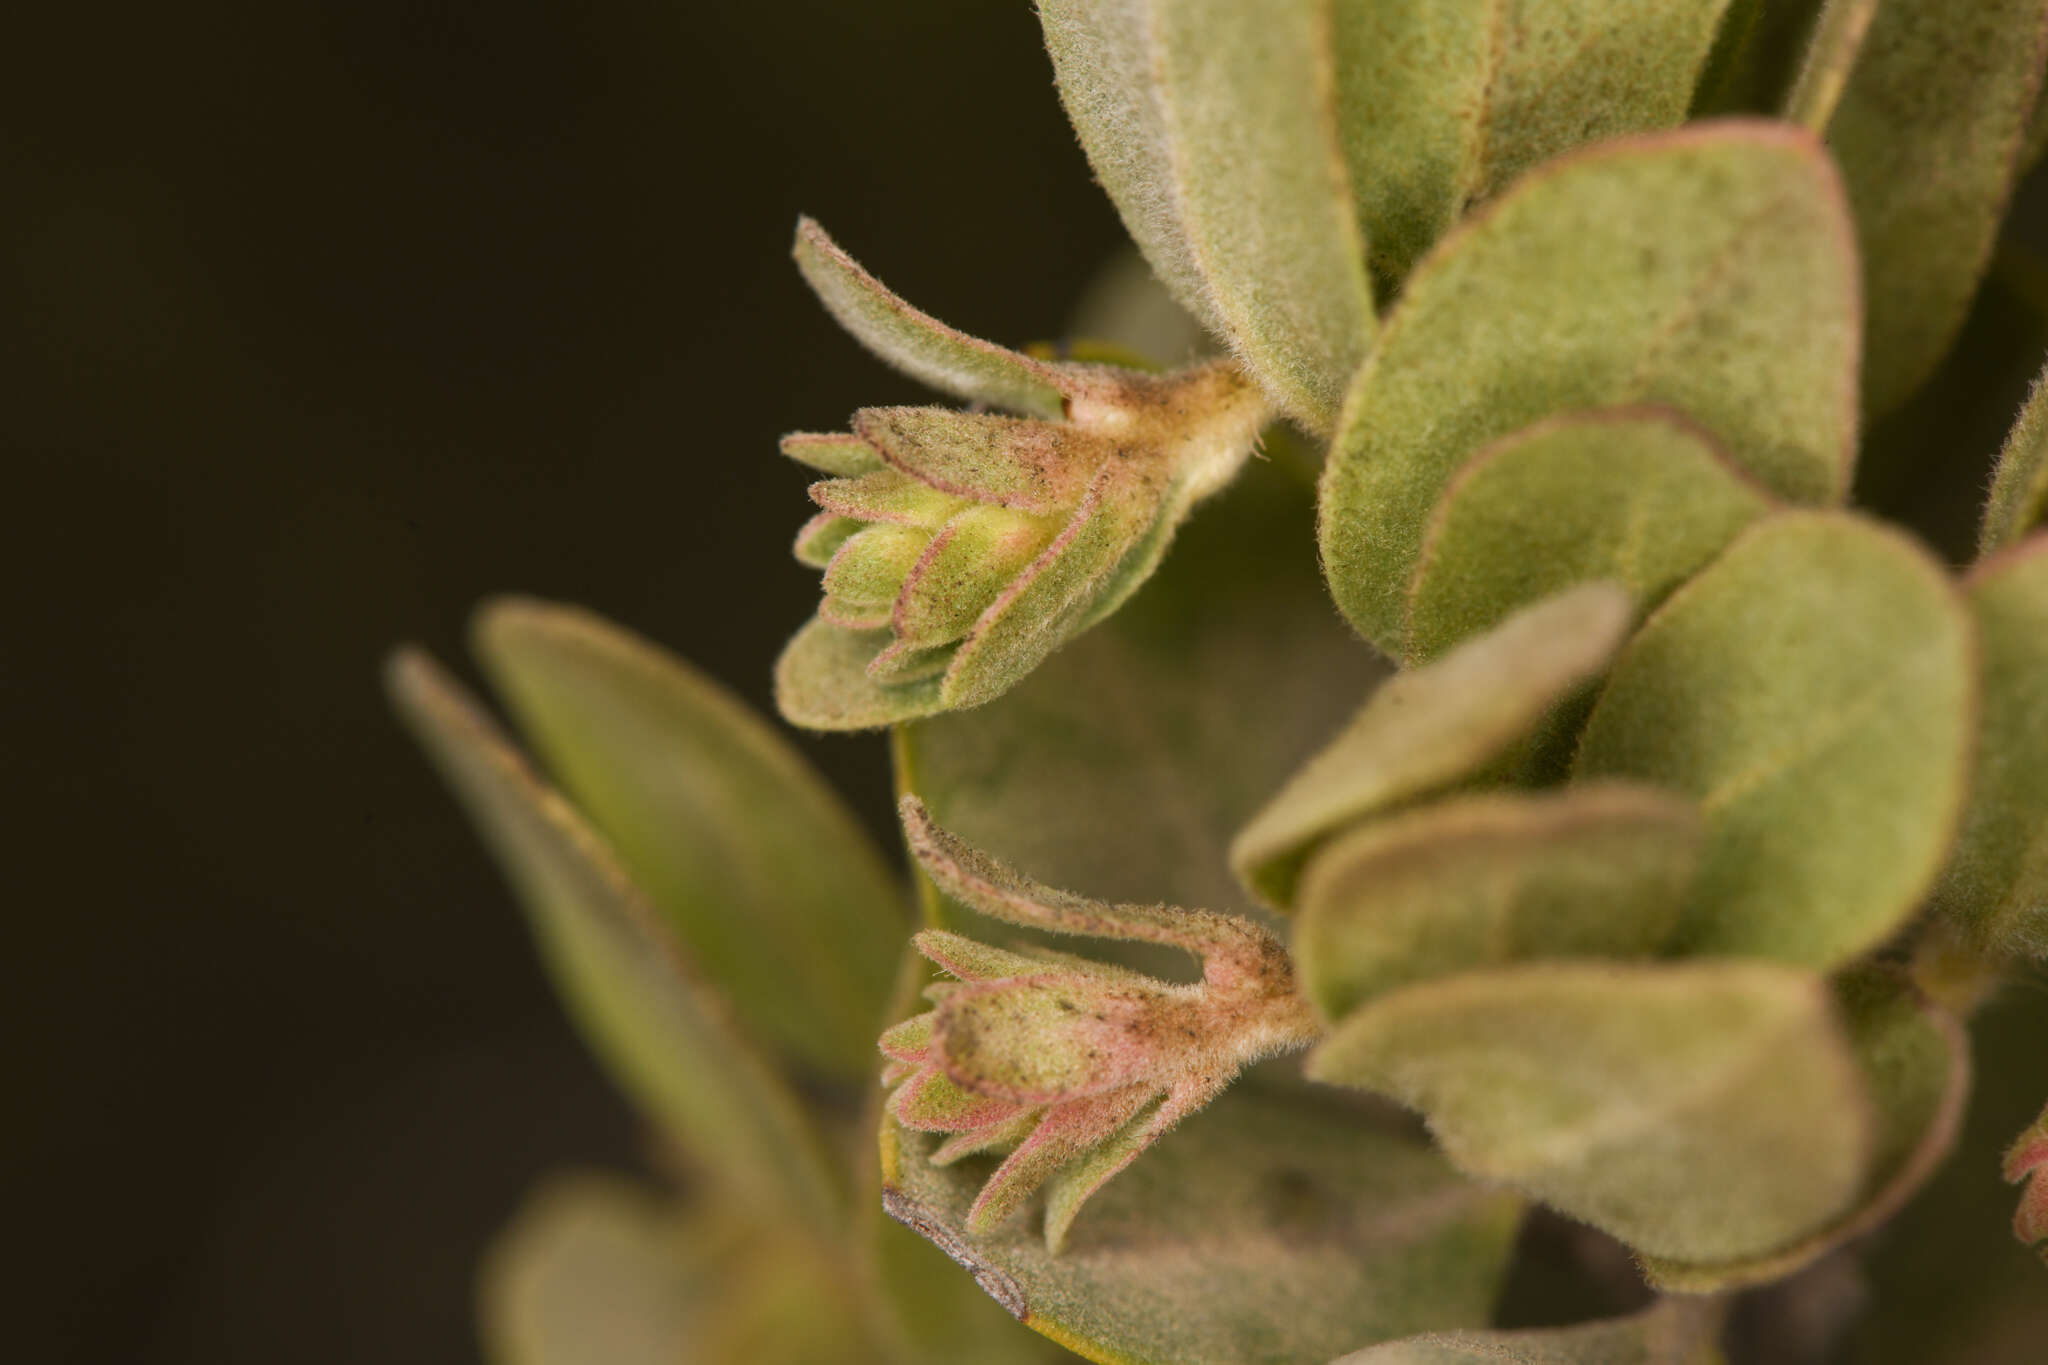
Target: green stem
{"points": [[931, 905]]}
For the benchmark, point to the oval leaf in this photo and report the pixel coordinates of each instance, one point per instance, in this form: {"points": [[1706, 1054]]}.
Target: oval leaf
{"points": [[1671, 1332], [760, 869], [1824, 732], [664, 1036], [1915, 1061], [1212, 125], [1997, 879], [1711, 269], [1264, 1230], [1598, 870], [1638, 496], [1443, 102], [2019, 488], [1699, 1111], [1928, 136], [1469, 713]]}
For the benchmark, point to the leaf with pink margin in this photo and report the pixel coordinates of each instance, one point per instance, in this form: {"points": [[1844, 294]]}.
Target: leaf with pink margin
{"points": [[918, 344], [1915, 1060]]}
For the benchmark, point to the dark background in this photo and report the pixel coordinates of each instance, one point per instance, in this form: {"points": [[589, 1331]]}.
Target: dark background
{"points": [[329, 320]]}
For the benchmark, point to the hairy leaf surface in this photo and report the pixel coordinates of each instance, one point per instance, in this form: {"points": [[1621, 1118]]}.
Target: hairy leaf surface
{"points": [[1710, 269], [1699, 1111], [1825, 733]]}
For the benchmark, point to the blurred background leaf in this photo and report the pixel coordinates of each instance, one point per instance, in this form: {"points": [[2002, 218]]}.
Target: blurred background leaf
{"points": [[326, 320]]}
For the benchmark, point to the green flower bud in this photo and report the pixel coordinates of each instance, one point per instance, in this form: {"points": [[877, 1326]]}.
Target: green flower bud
{"points": [[962, 548]]}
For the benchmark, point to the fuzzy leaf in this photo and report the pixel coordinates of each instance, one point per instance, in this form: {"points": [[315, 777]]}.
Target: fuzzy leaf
{"points": [[1831, 55], [1433, 727], [1443, 102], [2019, 489], [1710, 269], [664, 1036], [1011, 461], [592, 1272], [1266, 1230], [1670, 1332], [918, 344], [1915, 1061], [1598, 870], [1702, 1111], [1824, 732], [1928, 136], [1638, 496], [822, 682], [1996, 884], [1212, 125], [752, 859], [1123, 764]]}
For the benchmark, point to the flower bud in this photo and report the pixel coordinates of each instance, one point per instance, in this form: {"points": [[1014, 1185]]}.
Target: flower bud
{"points": [[961, 548], [1069, 1066]]}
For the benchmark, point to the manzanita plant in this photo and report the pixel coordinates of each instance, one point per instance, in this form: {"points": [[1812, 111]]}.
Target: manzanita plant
{"points": [[1667, 836]]}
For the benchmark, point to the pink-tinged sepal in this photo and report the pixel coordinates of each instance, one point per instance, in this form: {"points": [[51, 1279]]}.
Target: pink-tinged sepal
{"points": [[2028, 1161]]}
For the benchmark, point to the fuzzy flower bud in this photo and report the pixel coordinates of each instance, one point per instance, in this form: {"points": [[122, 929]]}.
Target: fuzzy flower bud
{"points": [[1073, 1067], [961, 548]]}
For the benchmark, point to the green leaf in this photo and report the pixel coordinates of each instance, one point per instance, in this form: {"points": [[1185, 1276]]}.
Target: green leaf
{"points": [[1824, 732], [1702, 1111], [1996, 884], [758, 867], [2019, 488], [1915, 1061], [1263, 1230], [593, 1271], [664, 1036], [1830, 56], [918, 344], [1928, 135], [1634, 495], [1598, 870], [1212, 125], [1121, 767], [1443, 102], [1711, 269], [1470, 713], [1669, 1332]]}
